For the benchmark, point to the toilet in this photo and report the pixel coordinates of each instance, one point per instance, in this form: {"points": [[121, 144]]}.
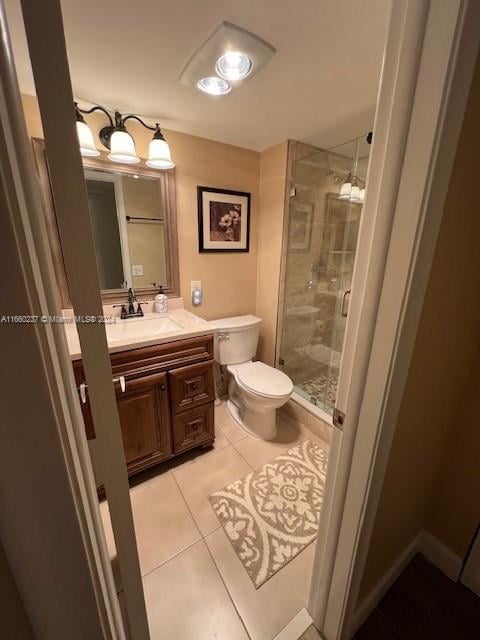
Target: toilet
{"points": [[255, 390]]}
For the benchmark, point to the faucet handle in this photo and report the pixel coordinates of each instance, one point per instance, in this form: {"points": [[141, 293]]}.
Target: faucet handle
{"points": [[123, 313]]}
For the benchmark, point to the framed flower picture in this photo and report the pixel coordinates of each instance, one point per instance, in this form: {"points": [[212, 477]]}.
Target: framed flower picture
{"points": [[223, 220]]}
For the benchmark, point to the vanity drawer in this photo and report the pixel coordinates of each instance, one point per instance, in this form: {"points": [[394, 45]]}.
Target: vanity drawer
{"points": [[191, 386], [193, 427], [162, 357]]}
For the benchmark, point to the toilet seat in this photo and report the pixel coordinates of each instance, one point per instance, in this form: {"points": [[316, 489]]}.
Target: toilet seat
{"points": [[261, 379]]}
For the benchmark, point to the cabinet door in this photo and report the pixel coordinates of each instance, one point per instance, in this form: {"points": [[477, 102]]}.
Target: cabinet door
{"points": [[191, 386], [145, 421], [193, 427]]}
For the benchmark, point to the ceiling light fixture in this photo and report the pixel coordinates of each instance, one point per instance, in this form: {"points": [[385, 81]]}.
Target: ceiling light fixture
{"points": [[234, 66], [229, 55], [214, 86], [116, 138]]}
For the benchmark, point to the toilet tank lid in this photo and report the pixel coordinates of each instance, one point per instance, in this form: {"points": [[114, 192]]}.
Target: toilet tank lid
{"points": [[235, 323]]}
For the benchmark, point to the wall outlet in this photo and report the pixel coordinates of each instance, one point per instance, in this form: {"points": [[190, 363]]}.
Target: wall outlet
{"points": [[137, 269], [195, 284]]}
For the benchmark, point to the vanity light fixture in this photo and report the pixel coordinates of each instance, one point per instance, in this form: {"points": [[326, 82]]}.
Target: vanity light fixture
{"points": [[85, 136], [116, 138], [350, 189]]}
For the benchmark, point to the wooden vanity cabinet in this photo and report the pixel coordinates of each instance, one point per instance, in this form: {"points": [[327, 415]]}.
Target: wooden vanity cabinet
{"points": [[168, 403], [145, 421]]}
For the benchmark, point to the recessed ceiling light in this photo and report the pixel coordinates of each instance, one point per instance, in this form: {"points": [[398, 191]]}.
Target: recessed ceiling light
{"points": [[234, 65], [214, 86]]}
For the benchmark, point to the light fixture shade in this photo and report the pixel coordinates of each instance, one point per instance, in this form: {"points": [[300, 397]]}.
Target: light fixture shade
{"points": [[159, 156], [234, 66], [345, 190], [85, 140], [214, 86], [355, 193], [122, 148]]}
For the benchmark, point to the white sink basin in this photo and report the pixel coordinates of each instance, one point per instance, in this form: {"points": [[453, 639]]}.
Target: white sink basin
{"points": [[140, 327]]}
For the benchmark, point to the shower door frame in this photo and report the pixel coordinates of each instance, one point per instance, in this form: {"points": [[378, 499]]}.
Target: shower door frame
{"points": [[430, 55]]}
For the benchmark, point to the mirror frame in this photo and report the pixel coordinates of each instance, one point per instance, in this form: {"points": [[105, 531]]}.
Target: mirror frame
{"points": [[102, 163]]}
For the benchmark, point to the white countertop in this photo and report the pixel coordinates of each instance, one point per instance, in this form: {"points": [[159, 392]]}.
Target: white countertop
{"points": [[153, 328]]}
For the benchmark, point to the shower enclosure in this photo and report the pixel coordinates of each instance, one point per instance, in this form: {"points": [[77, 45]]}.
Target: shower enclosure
{"points": [[327, 189]]}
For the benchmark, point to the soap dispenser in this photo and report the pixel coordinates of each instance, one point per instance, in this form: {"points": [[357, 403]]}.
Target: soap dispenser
{"points": [[161, 302]]}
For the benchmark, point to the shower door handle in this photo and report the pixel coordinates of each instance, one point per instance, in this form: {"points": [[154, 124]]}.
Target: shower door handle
{"points": [[344, 298]]}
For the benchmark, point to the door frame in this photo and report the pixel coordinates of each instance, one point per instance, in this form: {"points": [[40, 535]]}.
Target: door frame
{"points": [[46, 43], [39, 296], [428, 65]]}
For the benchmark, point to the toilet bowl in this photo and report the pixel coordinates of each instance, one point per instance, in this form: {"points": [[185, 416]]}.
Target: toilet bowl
{"points": [[255, 390]]}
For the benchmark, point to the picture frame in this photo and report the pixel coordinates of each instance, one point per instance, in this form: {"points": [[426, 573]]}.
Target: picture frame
{"points": [[301, 220], [223, 220]]}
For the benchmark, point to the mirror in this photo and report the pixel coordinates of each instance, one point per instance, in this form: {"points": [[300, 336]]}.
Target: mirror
{"points": [[132, 212], [127, 224]]}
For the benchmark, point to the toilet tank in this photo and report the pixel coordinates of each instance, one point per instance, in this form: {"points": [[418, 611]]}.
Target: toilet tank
{"points": [[236, 339]]}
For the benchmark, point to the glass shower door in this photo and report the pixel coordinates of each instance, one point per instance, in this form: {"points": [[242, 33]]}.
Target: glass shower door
{"points": [[322, 238]]}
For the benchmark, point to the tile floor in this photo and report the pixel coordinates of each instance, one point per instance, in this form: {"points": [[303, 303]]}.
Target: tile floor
{"points": [[195, 586]]}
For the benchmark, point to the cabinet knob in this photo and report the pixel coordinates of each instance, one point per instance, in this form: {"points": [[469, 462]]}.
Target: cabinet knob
{"points": [[195, 427], [193, 385], [163, 387]]}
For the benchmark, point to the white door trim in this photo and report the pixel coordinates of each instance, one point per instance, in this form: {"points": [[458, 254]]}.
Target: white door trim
{"points": [[428, 66]]}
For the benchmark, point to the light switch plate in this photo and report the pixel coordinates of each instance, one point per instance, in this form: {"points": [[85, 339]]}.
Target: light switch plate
{"points": [[137, 269], [195, 284]]}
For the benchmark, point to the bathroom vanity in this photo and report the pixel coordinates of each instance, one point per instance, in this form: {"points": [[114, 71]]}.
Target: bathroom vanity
{"points": [[162, 364], [164, 386]]}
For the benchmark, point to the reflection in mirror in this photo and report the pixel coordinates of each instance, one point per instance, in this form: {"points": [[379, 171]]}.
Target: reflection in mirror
{"points": [[134, 227], [128, 229]]}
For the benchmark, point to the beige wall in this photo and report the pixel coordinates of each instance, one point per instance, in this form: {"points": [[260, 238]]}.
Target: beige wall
{"points": [[14, 623], [229, 280], [432, 421], [273, 170], [455, 509]]}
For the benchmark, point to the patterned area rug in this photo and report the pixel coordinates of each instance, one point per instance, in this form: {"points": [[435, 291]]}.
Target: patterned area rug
{"points": [[273, 513]]}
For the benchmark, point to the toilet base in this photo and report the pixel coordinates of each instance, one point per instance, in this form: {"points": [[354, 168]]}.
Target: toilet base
{"points": [[261, 425]]}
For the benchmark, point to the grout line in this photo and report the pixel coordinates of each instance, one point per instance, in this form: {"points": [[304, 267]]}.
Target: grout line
{"points": [[243, 457], [188, 545], [227, 589], [188, 507], [172, 557], [203, 539]]}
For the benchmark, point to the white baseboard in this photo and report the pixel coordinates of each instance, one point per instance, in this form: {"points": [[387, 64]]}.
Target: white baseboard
{"points": [[441, 556], [434, 550], [297, 625], [368, 604]]}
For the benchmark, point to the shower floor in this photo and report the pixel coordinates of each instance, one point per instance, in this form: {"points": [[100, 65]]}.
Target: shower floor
{"points": [[321, 390]]}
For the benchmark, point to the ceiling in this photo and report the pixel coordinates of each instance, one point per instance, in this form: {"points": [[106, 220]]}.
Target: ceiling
{"points": [[320, 86]]}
